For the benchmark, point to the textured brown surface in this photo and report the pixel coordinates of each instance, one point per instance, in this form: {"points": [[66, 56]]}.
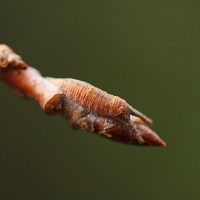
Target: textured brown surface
{"points": [[83, 105], [95, 99], [99, 102]]}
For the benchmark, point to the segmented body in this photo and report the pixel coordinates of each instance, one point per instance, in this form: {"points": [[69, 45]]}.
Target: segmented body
{"points": [[94, 99]]}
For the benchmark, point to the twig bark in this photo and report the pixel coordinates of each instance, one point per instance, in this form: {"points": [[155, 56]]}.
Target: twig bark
{"points": [[84, 106]]}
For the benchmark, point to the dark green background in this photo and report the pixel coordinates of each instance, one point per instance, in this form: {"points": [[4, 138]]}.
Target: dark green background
{"points": [[147, 52]]}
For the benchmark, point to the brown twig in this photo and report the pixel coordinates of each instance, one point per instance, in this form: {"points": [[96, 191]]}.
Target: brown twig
{"points": [[83, 105]]}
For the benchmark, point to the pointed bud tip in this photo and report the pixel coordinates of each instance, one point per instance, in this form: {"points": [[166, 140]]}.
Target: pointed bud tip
{"points": [[149, 136]]}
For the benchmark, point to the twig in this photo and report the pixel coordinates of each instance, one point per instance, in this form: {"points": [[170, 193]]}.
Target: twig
{"points": [[83, 105]]}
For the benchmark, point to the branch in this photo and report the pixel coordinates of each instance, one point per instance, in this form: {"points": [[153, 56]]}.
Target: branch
{"points": [[84, 106]]}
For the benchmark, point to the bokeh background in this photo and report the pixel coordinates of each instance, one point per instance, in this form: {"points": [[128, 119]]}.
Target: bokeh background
{"points": [[144, 51]]}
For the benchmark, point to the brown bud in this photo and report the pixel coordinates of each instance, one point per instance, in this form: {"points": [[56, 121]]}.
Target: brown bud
{"points": [[9, 59]]}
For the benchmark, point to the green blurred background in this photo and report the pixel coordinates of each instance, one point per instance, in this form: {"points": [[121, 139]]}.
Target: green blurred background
{"points": [[144, 51]]}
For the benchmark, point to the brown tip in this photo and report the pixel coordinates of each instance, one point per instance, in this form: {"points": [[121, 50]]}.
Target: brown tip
{"points": [[149, 136]]}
